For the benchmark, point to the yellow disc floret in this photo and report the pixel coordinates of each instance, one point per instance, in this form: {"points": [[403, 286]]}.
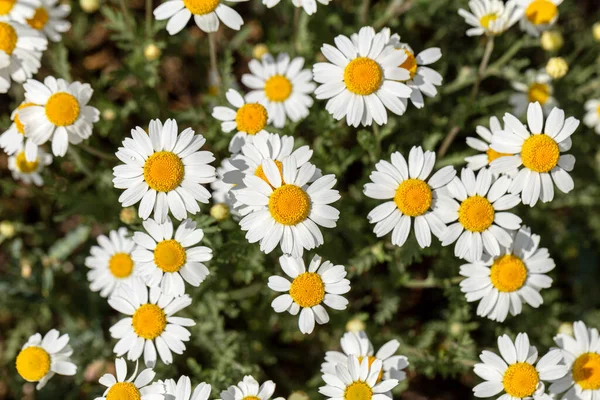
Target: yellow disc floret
{"points": [[539, 92], [487, 19], [508, 273], [358, 390], [6, 6], [169, 255], [149, 321], [541, 12], [476, 214], [261, 174], [278, 88], [8, 36], [520, 380], [540, 153], [289, 205], [201, 7], [251, 118], [413, 197], [120, 265], [493, 154], [26, 167], [586, 371], [33, 363], [163, 171], [308, 289], [39, 19], [123, 391], [410, 63], [363, 76], [62, 109]]}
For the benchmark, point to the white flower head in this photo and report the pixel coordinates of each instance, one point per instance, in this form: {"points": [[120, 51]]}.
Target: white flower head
{"points": [[491, 17], [591, 119], [249, 389], [539, 15], [49, 19], [29, 171], [537, 87], [14, 139], [482, 144], [221, 190], [309, 6], [135, 387], [182, 389], [18, 10], [207, 14]]}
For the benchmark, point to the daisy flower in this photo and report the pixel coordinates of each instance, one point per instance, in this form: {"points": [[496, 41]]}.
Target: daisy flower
{"points": [[282, 86], [29, 171], [14, 140], [221, 191], [357, 380], [322, 283], [505, 282], [410, 195], [591, 119], [477, 204], [59, 111], [537, 88], [249, 389], [166, 260], [163, 171], [18, 10], [136, 387], [41, 358], [359, 345], [490, 17], [207, 14], [538, 151], [249, 119], [539, 16], [182, 389], [49, 19], [286, 209], [482, 144], [110, 263], [309, 6], [150, 325], [362, 79], [581, 354], [516, 372], [21, 49]]}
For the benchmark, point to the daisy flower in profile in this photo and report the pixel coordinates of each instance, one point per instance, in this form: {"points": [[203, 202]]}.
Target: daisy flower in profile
{"points": [[516, 372], [362, 79], [150, 325], [478, 205], [359, 345], [309, 6], [49, 19], [409, 194], [536, 88], [539, 16], [59, 112], [249, 119], [18, 10], [357, 380], [503, 283], [323, 283], [14, 139], [21, 49], [282, 86], [29, 171], [249, 389], [207, 14], [110, 263], [182, 389], [286, 210], [482, 144], [166, 260], [134, 388], [591, 119], [581, 354], [163, 171], [537, 150], [491, 17]]}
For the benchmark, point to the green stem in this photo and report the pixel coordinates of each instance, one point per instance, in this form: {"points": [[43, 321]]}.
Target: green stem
{"points": [[213, 60], [295, 29], [126, 16], [149, 18], [100, 154]]}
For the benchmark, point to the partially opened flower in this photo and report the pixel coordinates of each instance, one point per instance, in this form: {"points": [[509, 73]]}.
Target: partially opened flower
{"points": [[482, 144], [491, 17], [537, 87], [29, 171], [182, 389], [136, 387], [591, 119], [539, 15], [14, 138], [207, 14], [249, 389], [49, 19]]}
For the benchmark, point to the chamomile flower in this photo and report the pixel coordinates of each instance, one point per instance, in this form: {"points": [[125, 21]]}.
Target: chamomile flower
{"points": [[18, 10], [479, 204], [14, 139], [249, 389], [539, 15], [538, 151], [110, 263], [136, 387], [164, 171], [504, 283], [591, 119], [59, 112], [516, 373], [182, 389], [409, 194], [282, 86], [536, 88], [359, 345], [286, 210], [150, 325], [41, 358], [166, 260], [491, 17], [49, 19], [323, 283], [249, 119], [357, 380], [482, 144], [21, 49], [362, 79], [221, 191], [29, 171], [309, 6], [207, 14], [581, 354]]}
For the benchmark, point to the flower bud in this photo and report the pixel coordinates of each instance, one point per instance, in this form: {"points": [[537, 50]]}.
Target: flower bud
{"points": [[551, 40], [89, 6], [259, 51], [219, 211], [557, 67], [151, 52], [355, 325]]}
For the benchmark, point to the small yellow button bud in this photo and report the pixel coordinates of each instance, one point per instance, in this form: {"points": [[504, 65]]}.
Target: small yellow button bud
{"points": [[127, 215], [109, 114], [151, 52], [7, 229], [355, 325], [89, 6], [557, 67], [551, 40], [219, 211], [596, 31], [259, 51], [566, 328], [298, 395]]}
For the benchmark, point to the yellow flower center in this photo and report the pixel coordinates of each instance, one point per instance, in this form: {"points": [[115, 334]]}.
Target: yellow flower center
{"points": [[6, 6], [540, 153], [251, 118], [18, 123], [541, 12], [123, 391], [410, 64], [289, 205], [371, 360], [149, 321], [493, 154], [476, 214], [486, 19], [201, 7], [163, 171], [8, 35], [278, 88], [33, 363], [586, 371], [26, 167], [508, 273], [261, 174], [363, 76], [539, 92], [358, 390], [413, 197], [251, 398], [520, 380], [120, 265], [62, 109], [308, 289], [598, 110], [39, 19], [169, 255]]}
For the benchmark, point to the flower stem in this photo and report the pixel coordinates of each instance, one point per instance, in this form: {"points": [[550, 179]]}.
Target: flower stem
{"points": [[212, 45], [295, 29], [149, 18]]}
